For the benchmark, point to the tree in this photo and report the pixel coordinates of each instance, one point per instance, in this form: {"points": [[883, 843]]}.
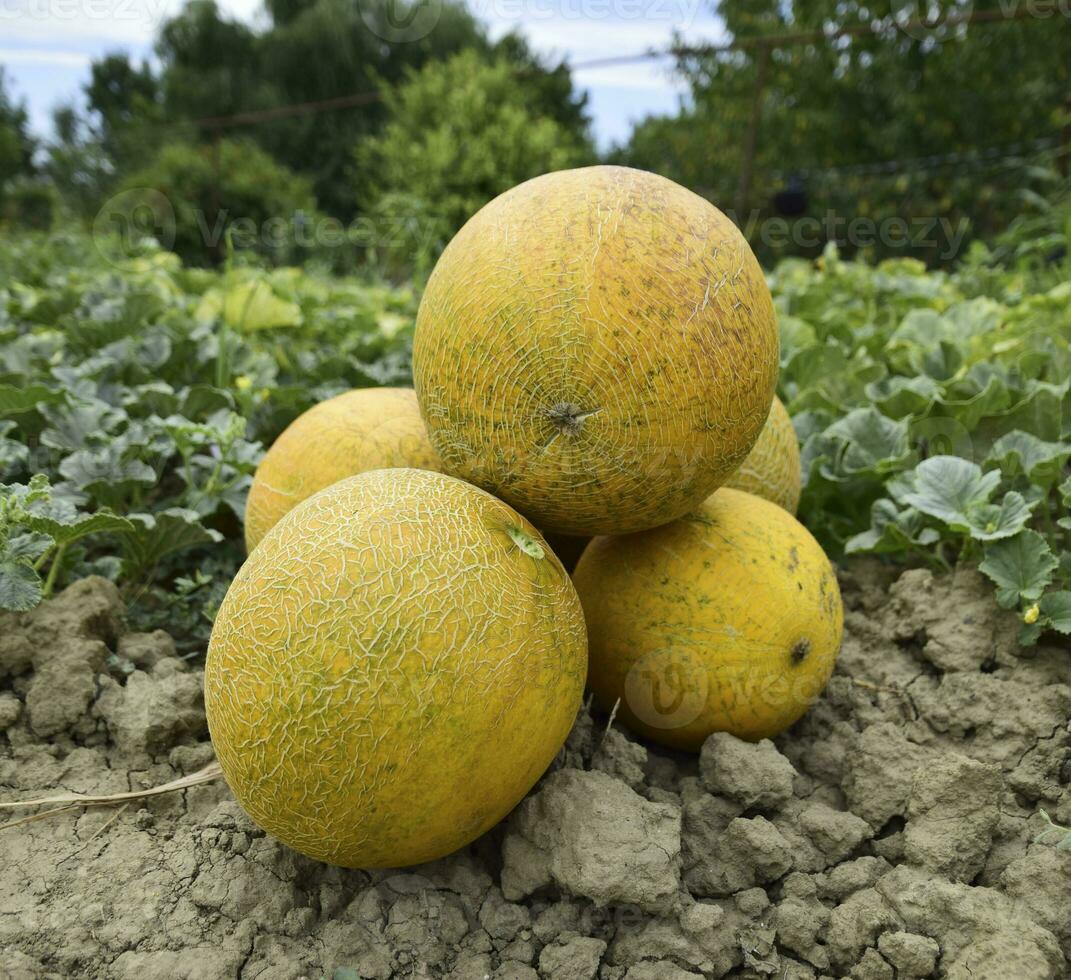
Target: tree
{"points": [[16, 145], [194, 198], [831, 107], [462, 131]]}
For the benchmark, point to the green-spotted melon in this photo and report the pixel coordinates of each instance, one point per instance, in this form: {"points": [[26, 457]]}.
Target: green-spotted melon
{"points": [[598, 348], [359, 430], [772, 468], [392, 669]]}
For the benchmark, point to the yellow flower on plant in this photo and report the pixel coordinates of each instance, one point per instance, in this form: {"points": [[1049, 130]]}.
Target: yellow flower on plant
{"points": [[1031, 615], [243, 382]]}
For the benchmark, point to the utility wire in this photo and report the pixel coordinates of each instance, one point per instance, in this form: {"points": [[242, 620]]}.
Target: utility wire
{"points": [[770, 41]]}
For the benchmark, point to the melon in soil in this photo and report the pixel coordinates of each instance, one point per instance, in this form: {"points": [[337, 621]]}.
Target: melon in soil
{"points": [[392, 669], [598, 348], [727, 620]]}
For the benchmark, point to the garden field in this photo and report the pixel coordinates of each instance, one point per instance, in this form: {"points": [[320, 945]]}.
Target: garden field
{"points": [[910, 825]]}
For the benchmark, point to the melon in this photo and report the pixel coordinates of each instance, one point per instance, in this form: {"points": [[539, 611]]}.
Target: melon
{"points": [[392, 669], [772, 468], [364, 429], [598, 348], [727, 620]]}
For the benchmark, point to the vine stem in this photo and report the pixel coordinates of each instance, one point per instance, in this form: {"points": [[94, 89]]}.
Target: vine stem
{"points": [[53, 569]]}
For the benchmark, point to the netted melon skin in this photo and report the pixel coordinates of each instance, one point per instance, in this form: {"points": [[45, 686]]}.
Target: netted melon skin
{"points": [[772, 468], [597, 347], [391, 671], [359, 430], [727, 620]]}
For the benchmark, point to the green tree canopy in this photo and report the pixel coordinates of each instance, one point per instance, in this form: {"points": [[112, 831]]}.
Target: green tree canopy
{"points": [[461, 132], [830, 107], [254, 197], [16, 145]]}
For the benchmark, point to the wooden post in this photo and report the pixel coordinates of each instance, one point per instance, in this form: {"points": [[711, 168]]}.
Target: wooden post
{"points": [[217, 204], [747, 165]]}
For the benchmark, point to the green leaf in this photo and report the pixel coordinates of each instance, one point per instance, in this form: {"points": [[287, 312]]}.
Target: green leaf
{"points": [[30, 545], [871, 443], [160, 534], [1055, 608], [1022, 565], [892, 531], [898, 396], [957, 492], [16, 400], [64, 531], [1020, 452], [20, 585], [250, 305], [89, 469], [80, 425]]}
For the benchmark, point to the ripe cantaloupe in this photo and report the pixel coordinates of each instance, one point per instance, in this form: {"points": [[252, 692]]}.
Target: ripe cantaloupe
{"points": [[598, 348], [772, 468], [364, 429], [728, 619], [392, 669]]}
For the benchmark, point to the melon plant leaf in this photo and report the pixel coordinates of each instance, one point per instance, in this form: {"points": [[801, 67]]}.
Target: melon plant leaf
{"points": [[1020, 566], [30, 545], [79, 425], [249, 305], [105, 469], [64, 531], [1055, 609], [162, 533], [1065, 493], [870, 442], [898, 397], [13, 454], [1022, 453], [957, 492], [892, 531], [16, 400], [20, 585]]}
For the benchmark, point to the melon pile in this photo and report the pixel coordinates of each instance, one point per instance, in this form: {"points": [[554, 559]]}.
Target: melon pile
{"points": [[403, 653]]}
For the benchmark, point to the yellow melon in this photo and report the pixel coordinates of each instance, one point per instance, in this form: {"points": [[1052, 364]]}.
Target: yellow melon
{"points": [[392, 669], [772, 468], [364, 429], [728, 619], [598, 348]]}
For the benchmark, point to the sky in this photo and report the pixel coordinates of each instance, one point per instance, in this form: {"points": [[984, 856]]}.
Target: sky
{"points": [[46, 46]]}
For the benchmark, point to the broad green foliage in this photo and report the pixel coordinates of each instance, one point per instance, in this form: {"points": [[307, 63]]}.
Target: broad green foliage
{"points": [[934, 423], [135, 400], [196, 202], [890, 127], [461, 132], [933, 410]]}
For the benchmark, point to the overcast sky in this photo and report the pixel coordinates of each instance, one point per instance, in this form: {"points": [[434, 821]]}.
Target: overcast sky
{"points": [[47, 45]]}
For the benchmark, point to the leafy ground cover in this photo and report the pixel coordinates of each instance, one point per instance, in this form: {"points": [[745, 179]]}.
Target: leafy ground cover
{"points": [[137, 397], [136, 401]]}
